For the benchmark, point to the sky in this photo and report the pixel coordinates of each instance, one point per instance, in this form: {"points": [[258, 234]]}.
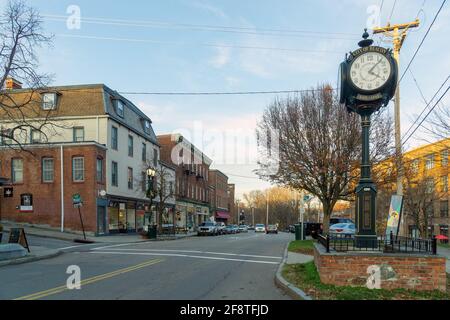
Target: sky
{"points": [[227, 46]]}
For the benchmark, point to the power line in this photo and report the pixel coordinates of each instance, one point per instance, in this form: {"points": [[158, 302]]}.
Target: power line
{"points": [[199, 44], [423, 40], [426, 116], [219, 93], [418, 87], [392, 11], [150, 23], [208, 29], [426, 107]]}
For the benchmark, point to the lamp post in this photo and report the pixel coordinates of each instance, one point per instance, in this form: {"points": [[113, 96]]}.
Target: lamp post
{"points": [[150, 188]]}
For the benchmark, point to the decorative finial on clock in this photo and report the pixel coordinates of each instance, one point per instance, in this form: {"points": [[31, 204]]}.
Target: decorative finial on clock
{"points": [[366, 42]]}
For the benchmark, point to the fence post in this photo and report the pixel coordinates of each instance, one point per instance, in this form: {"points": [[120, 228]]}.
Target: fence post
{"points": [[434, 245], [328, 243]]}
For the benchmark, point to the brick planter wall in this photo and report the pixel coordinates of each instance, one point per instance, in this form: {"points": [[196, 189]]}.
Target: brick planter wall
{"points": [[407, 271]]}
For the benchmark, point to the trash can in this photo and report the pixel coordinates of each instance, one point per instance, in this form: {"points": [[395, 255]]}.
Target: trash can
{"points": [[298, 232], [152, 231]]}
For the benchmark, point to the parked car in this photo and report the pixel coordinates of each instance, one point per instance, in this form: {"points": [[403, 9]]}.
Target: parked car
{"points": [[344, 229], [243, 228], [208, 228], [236, 228], [221, 227], [251, 228], [340, 220], [229, 229], [271, 228], [291, 229], [260, 227]]}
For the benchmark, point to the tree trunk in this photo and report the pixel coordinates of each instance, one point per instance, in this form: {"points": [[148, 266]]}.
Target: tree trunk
{"points": [[327, 210]]}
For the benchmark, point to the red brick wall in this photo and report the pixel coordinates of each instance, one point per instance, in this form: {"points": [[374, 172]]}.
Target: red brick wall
{"points": [[416, 272], [47, 196]]}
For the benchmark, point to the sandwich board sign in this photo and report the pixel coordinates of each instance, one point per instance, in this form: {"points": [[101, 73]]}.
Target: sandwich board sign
{"points": [[17, 235]]}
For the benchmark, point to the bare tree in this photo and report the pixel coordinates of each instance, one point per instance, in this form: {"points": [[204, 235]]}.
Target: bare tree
{"points": [[421, 193], [159, 189], [440, 122], [319, 145], [21, 34]]}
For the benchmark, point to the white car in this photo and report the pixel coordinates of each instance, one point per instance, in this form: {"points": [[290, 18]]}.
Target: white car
{"points": [[243, 228], [260, 228], [343, 229], [208, 228]]}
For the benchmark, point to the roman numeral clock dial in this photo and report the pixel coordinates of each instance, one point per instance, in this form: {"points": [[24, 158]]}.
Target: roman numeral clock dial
{"points": [[370, 71]]}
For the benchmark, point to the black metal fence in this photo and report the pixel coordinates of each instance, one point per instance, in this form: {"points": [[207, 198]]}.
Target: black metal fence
{"points": [[389, 244]]}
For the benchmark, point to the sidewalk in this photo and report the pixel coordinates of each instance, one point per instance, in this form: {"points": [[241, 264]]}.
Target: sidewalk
{"points": [[36, 253], [40, 231]]}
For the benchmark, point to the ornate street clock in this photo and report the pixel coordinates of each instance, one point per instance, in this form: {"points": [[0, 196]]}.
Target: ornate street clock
{"points": [[368, 77], [368, 80]]}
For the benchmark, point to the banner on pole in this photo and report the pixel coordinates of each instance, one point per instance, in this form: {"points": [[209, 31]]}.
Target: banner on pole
{"points": [[394, 216]]}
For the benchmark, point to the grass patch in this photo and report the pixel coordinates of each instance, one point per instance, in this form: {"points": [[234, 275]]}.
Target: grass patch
{"points": [[304, 247], [306, 277], [444, 245]]}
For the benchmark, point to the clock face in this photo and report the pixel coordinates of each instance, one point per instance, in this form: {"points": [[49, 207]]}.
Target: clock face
{"points": [[370, 71]]}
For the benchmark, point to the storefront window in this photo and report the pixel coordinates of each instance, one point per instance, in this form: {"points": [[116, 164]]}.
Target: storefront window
{"points": [[122, 217], [113, 218], [131, 216]]}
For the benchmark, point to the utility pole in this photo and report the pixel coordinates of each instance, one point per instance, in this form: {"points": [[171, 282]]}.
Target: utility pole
{"points": [[237, 202], [253, 216], [398, 34], [267, 211]]}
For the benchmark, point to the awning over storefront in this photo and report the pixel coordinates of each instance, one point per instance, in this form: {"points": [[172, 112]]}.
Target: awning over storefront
{"points": [[222, 215]]}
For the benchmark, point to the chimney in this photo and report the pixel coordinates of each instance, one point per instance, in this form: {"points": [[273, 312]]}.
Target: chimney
{"points": [[12, 84]]}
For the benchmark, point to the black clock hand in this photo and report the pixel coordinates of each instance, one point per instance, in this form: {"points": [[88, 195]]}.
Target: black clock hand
{"points": [[370, 71]]}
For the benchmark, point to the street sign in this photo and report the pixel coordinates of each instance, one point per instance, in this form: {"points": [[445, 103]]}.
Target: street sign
{"points": [[77, 200], [8, 192]]}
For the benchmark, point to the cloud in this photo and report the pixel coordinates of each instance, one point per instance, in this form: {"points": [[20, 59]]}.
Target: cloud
{"points": [[222, 58], [204, 5]]}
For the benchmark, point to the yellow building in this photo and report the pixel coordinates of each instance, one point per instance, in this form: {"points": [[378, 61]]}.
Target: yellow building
{"points": [[428, 165]]}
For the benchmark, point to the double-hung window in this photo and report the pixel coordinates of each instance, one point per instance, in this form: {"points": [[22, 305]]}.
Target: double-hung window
{"points": [[78, 134], [48, 174], [17, 170], [114, 138], [78, 169]]}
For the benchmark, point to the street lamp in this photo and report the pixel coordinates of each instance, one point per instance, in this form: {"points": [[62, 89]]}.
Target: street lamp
{"points": [[150, 190]]}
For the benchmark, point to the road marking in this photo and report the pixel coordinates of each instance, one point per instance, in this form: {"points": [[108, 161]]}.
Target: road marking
{"points": [[81, 245], [182, 255], [108, 275], [116, 245], [203, 252]]}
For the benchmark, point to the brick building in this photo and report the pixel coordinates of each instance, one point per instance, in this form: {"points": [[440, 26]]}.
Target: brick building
{"points": [[107, 143], [38, 197], [231, 201], [219, 199], [192, 186]]}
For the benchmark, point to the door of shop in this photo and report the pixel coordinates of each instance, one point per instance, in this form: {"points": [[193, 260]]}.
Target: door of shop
{"points": [[101, 220]]}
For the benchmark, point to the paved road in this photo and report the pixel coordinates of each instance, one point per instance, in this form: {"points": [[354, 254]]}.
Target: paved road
{"points": [[238, 267]]}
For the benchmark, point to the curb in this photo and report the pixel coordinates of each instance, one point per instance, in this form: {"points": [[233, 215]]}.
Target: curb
{"points": [[30, 258], [92, 239], [285, 285]]}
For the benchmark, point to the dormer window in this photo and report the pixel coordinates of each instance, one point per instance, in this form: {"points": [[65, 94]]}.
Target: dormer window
{"points": [[147, 126], [120, 107], [49, 100]]}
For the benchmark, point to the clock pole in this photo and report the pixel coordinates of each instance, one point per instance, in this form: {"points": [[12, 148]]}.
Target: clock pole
{"points": [[398, 33], [364, 95]]}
